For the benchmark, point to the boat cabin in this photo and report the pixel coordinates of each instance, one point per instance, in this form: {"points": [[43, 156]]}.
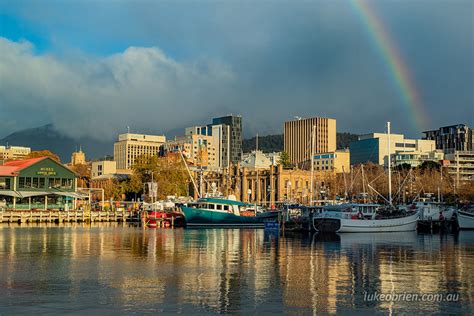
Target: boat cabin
{"points": [[221, 205]]}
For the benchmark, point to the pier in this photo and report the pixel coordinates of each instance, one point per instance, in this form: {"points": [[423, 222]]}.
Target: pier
{"points": [[57, 216]]}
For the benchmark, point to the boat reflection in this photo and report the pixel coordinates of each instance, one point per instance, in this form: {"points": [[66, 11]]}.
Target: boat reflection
{"points": [[229, 270]]}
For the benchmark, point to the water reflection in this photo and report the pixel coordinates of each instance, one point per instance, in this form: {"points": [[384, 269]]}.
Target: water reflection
{"points": [[117, 268]]}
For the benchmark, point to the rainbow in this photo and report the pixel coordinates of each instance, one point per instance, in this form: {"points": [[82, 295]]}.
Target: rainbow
{"points": [[398, 70]]}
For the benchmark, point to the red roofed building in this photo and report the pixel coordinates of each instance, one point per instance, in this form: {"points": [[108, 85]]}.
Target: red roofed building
{"points": [[37, 183]]}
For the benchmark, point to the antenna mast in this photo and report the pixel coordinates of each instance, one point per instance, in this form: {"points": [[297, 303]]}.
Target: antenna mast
{"points": [[312, 166], [389, 167]]}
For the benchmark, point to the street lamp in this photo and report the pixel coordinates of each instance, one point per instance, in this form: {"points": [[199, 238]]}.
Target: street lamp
{"points": [[152, 189], [288, 190]]}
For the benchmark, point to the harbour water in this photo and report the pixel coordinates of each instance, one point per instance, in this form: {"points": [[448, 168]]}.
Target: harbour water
{"points": [[120, 269]]}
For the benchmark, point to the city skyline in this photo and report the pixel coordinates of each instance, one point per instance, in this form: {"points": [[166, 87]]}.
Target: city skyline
{"points": [[94, 68]]}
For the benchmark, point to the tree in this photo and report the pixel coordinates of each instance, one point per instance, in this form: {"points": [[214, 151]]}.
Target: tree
{"points": [[285, 159], [84, 174], [43, 153], [168, 172], [429, 165]]}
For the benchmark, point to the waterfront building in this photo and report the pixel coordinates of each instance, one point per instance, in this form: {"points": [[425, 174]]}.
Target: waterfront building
{"points": [[225, 140], [298, 138], [38, 183], [461, 165], [78, 158], [256, 160], [229, 129], [14, 152], [416, 158], [374, 147], [263, 186], [450, 138], [99, 168], [130, 146], [337, 162], [198, 149]]}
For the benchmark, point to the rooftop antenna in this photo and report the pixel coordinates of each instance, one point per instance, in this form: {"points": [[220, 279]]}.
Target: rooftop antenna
{"points": [[389, 168], [128, 129]]}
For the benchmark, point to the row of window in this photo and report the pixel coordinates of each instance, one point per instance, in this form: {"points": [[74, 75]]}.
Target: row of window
{"points": [[219, 207], [41, 183], [405, 145]]}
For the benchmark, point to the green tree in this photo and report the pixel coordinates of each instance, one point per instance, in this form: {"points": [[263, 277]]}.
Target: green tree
{"points": [[168, 172], [285, 159]]}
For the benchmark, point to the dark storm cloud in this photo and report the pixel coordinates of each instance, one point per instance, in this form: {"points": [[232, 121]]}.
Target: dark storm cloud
{"points": [[268, 61]]}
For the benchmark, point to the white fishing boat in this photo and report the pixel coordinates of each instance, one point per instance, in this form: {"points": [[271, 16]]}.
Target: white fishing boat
{"points": [[345, 222], [365, 210], [389, 219], [432, 211], [465, 217]]}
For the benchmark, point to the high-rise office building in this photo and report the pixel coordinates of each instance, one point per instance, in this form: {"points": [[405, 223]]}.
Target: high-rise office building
{"points": [[231, 140], [374, 148], [298, 139], [130, 146], [452, 138]]}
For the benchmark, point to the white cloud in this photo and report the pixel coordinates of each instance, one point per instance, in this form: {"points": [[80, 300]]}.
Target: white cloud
{"points": [[141, 87]]}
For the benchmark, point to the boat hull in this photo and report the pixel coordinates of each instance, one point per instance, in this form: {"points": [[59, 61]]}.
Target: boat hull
{"points": [[348, 225], [201, 217], [465, 220]]}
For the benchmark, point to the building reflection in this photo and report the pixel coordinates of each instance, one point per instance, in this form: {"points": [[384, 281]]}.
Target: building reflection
{"points": [[229, 270]]}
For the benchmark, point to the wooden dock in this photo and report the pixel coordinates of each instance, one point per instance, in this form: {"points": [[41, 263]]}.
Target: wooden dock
{"points": [[56, 216]]}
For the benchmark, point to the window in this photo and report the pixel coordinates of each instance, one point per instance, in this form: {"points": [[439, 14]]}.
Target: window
{"points": [[35, 183], [55, 183], [21, 183], [41, 182], [5, 183], [226, 207], [66, 183], [28, 182], [219, 207]]}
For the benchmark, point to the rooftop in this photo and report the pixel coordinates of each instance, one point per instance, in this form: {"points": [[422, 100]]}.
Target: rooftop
{"points": [[11, 168]]}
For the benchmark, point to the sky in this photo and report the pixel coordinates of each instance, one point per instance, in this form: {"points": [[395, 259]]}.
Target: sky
{"points": [[93, 67]]}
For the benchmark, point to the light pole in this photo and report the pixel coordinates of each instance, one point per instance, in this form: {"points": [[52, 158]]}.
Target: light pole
{"points": [[288, 193]]}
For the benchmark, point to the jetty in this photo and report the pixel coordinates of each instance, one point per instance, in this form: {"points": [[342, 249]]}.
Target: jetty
{"points": [[70, 216]]}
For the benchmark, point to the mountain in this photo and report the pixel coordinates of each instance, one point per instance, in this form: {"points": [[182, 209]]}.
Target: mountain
{"points": [[47, 137], [274, 143]]}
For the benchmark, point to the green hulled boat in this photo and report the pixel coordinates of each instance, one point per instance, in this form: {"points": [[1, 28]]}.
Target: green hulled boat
{"points": [[225, 212]]}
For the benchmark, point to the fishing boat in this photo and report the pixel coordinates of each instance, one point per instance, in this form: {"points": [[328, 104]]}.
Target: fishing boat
{"points": [[392, 220], [384, 219], [465, 217], [365, 210], [225, 212], [431, 211]]}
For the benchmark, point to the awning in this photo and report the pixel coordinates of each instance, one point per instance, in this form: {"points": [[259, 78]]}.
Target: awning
{"points": [[10, 193], [72, 194], [25, 194]]}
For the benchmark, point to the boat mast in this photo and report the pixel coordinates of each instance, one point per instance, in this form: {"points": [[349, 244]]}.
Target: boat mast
{"points": [[389, 167], [256, 168], [311, 195], [363, 184], [189, 173]]}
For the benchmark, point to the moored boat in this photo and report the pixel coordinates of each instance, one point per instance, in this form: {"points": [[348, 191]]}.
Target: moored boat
{"points": [[382, 221], [465, 217], [225, 212]]}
